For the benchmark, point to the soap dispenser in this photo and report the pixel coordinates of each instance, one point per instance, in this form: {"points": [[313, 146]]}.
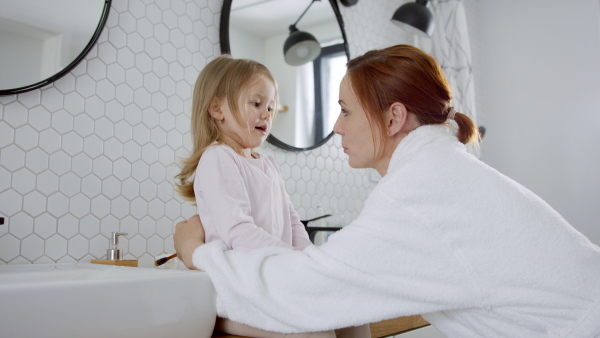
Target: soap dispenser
{"points": [[113, 253]]}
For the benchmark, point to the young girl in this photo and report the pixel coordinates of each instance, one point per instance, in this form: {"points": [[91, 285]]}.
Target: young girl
{"points": [[240, 194]]}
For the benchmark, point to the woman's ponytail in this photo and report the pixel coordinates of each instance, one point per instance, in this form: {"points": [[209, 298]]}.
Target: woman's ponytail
{"points": [[467, 130]]}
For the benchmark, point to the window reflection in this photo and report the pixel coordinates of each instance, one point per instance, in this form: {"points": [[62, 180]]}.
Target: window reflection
{"points": [[328, 71], [334, 69]]}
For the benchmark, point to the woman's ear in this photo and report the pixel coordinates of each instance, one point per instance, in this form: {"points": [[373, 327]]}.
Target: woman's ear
{"points": [[396, 118], [214, 109]]}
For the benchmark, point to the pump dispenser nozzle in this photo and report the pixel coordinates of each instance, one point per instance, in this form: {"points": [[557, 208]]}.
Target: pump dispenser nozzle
{"points": [[113, 253]]}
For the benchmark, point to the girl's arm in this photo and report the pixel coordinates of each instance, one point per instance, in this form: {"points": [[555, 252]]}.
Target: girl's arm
{"points": [[300, 239]]}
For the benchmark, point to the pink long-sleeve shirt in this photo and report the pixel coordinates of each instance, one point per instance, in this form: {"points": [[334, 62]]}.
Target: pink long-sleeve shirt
{"points": [[243, 202]]}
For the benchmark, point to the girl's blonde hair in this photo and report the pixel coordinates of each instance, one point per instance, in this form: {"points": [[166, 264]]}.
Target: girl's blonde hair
{"points": [[220, 78]]}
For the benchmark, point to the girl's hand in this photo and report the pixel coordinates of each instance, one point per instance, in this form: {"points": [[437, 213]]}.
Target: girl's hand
{"points": [[189, 235]]}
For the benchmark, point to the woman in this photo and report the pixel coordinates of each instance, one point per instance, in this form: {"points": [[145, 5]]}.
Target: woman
{"points": [[442, 234]]}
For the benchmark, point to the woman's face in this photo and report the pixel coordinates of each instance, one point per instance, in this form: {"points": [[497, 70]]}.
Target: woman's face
{"points": [[354, 127]]}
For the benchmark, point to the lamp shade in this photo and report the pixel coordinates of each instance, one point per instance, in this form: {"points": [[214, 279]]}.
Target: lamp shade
{"points": [[300, 47], [415, 17]]}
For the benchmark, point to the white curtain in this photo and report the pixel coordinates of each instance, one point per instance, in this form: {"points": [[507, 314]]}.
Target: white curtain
{"points": [[305, 106], [450, 46]]}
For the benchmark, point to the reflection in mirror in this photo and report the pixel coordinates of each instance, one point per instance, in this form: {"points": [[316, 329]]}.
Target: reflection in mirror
{"points": [[308, 94], [41, 40]]}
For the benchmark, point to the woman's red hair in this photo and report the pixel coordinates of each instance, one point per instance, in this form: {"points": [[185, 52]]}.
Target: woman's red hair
{"points": [[405, 74]]}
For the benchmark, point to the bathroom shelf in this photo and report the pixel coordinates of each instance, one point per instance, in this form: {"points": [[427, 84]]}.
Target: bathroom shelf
{"points": [[381, 329]]}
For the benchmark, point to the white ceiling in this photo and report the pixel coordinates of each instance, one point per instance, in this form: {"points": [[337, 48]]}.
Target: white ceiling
{"points": [[265, 18], [59, 16]]}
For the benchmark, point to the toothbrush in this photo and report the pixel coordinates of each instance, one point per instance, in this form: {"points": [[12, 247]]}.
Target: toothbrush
{"points": [[163, 260]]}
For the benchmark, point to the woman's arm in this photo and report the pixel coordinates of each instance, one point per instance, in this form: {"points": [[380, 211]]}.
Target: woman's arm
{"points": [[386, 264], [188, 236]]}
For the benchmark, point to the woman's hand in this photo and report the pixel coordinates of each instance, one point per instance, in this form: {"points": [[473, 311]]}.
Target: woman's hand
{"points": [[189, 235]]}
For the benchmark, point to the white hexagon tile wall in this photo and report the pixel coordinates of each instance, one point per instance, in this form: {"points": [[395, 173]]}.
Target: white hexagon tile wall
{"points": [[96, 151]]}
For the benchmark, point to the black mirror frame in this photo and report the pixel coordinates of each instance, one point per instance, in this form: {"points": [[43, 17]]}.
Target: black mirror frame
{"points": [[226, 49], [73, 64]]}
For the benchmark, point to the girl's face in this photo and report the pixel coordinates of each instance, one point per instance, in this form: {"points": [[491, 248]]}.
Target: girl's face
{"points": [[256, 106], [353, 126]]}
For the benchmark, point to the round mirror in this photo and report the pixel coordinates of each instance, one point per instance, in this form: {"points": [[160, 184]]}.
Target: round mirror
{"points": [[308, 94], [42, 40]]}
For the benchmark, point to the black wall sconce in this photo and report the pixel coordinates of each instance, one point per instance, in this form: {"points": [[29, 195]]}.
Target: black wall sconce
{"points": [[415, 17], [300, 47]]}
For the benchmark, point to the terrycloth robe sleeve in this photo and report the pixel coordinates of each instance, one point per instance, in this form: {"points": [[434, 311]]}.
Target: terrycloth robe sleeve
{"points": [[442, 235], [359, 276]]}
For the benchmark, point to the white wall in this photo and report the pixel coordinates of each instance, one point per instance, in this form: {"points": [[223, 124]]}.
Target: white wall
{"points": [[25, 48], [537, 72], [243, 45], [96, 151]]}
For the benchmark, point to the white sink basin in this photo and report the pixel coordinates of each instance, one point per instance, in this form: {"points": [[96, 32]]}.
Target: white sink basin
{"points": [[91, 300]]}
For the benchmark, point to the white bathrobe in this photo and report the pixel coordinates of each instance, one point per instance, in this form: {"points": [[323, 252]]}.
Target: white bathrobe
{"points": [[443, 235]]}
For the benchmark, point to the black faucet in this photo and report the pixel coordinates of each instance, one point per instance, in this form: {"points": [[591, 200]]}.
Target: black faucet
{"points": [[312, 231]]}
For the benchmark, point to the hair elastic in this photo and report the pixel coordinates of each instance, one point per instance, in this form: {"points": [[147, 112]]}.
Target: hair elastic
{"points": [[450, 113]]}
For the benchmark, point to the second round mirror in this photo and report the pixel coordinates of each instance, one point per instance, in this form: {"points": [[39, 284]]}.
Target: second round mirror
{"points": [[308, 94]]}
